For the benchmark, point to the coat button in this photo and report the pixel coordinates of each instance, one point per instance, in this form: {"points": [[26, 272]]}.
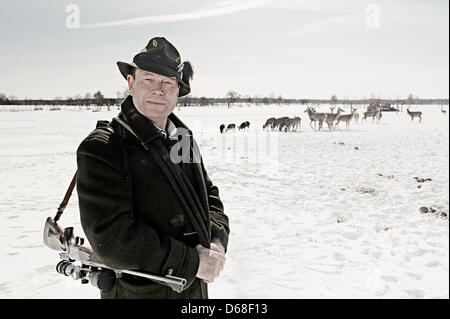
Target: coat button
{"points": [[169, 272], [177, 220]]}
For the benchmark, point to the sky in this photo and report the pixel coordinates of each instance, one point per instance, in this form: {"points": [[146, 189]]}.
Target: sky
{"points": [[296, 49]]}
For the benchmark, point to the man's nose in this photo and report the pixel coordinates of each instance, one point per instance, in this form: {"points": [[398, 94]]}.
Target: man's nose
{"points": [[157, 88]]}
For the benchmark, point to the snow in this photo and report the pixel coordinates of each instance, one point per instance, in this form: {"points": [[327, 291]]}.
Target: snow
{"points": [[311, 216]]}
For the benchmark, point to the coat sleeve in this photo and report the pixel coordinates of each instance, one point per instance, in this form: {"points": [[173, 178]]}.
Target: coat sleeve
{"points": [[121, 241], [219, 221]]}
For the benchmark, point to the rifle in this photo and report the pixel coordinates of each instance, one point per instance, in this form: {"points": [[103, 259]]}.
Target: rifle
{"points": [[91, 269]]}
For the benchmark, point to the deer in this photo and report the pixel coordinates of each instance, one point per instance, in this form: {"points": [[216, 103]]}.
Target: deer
{"points": [[268, 123], [244, 125], [346, 118], [414, 114], [231, 127], [222, 128], [378, 115], [278, 123], [295, 123], [331, 117], [372, 113], [314, 116], [291, 124]]}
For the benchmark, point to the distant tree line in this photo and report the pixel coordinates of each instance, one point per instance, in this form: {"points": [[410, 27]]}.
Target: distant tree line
{"points": [[88, 100], [231, 98]]}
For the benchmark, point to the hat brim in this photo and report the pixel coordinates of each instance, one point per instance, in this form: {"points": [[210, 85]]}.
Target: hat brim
{"points": [[128, 68]]}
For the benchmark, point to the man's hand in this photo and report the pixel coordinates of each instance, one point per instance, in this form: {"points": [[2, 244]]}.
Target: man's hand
{"points": [[211, 262], [216, 241]]}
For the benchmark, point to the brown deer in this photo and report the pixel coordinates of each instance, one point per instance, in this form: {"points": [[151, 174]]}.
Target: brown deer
{"points": [[378, 115], [414, 114], [314, 116], [372, 113], [279, 123], [268, 123], [346, 118], [231, 127], [331, 117], [244, 125], [291, 124]]}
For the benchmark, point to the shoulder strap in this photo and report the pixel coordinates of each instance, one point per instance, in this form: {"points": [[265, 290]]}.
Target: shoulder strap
{"points": [[63, 204]]}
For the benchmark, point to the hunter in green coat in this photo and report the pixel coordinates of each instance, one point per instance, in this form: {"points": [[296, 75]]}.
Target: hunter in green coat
{"points": [[146, 201]]}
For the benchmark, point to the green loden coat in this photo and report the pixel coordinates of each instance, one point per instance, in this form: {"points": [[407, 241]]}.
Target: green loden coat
{"points": [[155, 225]]}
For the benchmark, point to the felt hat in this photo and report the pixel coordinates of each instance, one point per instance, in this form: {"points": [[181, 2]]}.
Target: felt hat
{"points": [[161, 57]]}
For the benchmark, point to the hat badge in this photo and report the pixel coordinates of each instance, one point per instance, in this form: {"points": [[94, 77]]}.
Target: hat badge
{"points": [[155, 43]]}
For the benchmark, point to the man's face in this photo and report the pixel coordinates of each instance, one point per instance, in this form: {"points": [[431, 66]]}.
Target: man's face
{"points": [[155, 96]]}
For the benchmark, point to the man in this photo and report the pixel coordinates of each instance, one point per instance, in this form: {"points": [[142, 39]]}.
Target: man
{"points": [[141, 207]]}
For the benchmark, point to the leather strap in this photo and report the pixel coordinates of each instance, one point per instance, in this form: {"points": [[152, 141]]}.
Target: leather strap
{"points": [[63, 204]]}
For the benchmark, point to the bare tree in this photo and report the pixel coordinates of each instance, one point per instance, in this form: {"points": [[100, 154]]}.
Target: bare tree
{"points": [[333, 99], [279, 99], [333, 102], [204, 101], [98, 98], [410, 98], [3, 98], [256, 99], [231, 97]]}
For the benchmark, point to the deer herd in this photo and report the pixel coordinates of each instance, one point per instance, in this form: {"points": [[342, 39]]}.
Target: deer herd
{"points": [[293, 124]]}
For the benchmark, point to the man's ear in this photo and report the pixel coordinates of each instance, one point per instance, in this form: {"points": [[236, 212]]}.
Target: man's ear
{"points": [[130, 80]]}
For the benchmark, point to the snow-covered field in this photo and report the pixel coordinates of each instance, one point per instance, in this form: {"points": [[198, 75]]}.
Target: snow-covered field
{"points": [[329, 214]]}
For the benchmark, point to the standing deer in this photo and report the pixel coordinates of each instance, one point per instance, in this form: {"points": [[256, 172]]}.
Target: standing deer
{"points": [[314, 116], [371, 113], [331, 117], [356, 117], [378, 115], [414, 114], [346, 118]]}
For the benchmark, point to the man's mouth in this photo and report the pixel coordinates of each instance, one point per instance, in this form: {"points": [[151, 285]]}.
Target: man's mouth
{"points": [[153, 102]]}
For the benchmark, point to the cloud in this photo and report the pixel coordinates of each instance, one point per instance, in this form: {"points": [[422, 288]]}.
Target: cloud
{"points": [[318, 26], [222, 8]]}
